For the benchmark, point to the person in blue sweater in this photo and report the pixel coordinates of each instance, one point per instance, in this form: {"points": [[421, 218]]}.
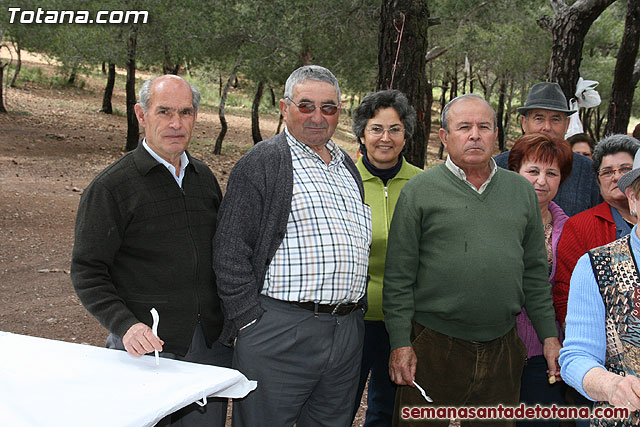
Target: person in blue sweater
{"points": [[601, 357], [546, 112]]}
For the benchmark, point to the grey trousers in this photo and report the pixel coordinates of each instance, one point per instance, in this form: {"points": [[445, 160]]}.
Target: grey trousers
{"points": [[214, 413], [307, 367]]}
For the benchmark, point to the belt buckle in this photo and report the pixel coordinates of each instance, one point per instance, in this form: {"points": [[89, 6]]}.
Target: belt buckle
{"points": [[335, 309]]}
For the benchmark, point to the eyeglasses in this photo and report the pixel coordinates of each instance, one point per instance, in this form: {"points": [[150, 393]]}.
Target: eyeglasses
{"points": [[307, 107], [609, 173], [378, 131]]}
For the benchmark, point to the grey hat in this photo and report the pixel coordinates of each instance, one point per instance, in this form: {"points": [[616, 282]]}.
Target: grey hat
{"points": [[546, 96], [628, 178]]}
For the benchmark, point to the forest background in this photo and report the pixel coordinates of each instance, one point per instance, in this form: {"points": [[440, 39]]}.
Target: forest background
{"points": [[67, 93]]}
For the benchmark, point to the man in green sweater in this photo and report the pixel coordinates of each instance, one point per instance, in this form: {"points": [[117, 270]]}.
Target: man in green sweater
{"points": [[466, 252]]}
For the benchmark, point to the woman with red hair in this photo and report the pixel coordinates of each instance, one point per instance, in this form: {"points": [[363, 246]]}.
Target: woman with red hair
{"points": [[546, 162]]}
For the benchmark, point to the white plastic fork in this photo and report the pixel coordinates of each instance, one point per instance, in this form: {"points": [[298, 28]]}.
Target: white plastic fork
{"points": [[424, 393], [154, 329]]}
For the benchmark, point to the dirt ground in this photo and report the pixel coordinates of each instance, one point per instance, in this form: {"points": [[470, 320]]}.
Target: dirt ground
{"points": [[52, 143]]}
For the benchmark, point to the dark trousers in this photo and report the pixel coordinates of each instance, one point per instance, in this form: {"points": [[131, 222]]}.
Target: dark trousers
{"points": [[535, 389], [375, 360], [456, 372], [306, 365], [214, 413]]}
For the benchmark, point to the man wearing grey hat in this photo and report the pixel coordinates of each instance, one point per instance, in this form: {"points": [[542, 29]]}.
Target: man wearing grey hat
{"points": [[546, 112]]}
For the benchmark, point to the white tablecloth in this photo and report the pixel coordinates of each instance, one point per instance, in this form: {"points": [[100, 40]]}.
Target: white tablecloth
{"points": [[53, 383]]}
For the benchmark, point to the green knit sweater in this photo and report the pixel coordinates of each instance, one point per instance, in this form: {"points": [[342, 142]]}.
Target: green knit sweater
{"points": [[463, 263]]}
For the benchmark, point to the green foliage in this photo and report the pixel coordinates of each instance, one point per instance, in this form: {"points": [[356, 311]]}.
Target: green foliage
{"points": [[500, 38]]}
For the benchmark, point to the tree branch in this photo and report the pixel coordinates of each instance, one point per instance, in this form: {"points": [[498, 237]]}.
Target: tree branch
{"points": [[435, 52], [558, 6], [545, 22], [587, 5]]}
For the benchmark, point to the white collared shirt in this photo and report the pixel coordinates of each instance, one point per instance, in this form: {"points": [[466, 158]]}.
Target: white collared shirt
{"points": [[457, 171], [184, 161]]}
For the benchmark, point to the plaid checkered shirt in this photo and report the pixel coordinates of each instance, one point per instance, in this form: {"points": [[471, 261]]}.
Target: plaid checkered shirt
{"points": [[324, 255]]}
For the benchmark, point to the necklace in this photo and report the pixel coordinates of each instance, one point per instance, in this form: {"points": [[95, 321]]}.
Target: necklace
{"points": [[546, 217]]}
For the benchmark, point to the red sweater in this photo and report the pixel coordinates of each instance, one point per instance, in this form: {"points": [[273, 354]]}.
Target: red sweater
{"points": [[582, 232]]}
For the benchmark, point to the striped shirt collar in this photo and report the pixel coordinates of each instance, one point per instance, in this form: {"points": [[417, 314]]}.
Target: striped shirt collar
{"points": [[458, 172]]}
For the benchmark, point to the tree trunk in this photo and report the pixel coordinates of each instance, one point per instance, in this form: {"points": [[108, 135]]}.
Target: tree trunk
{"points": [[427, 111], [464, 79], [16, 45], [279, 124], [402, 63], [500, 114], [597, 127], [507, 115], [569, 28], [72, 76], [453, 93], [169, 67], [623, 87], [2, 67], [108, 90], [443, 102], [223, 99], [273, 97], [635, 77], [133, 131], [443, 96], [255, 114]]}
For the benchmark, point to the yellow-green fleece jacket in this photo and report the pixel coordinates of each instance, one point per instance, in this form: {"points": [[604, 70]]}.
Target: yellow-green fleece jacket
{"points": [[382, 201]]}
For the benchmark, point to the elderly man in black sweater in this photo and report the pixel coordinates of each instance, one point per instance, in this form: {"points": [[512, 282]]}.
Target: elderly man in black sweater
{"points": [[143, 240]]}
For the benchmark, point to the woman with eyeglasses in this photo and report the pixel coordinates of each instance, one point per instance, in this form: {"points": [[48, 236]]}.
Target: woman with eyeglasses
{"points": [[602, 224], [382, 123]]}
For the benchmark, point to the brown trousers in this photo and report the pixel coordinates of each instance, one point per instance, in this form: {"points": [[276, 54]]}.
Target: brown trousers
{"points": [[459, 373]]}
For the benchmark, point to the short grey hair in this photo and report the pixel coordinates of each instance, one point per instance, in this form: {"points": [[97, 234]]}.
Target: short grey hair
{"points": [[309, 72], [444, 117], [384, 99], [614, 144], [144, 94]]}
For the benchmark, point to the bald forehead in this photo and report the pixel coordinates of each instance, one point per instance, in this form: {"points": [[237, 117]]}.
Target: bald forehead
{"points": [[170, 92], [471, 100], [472, 107], [169, 82]]}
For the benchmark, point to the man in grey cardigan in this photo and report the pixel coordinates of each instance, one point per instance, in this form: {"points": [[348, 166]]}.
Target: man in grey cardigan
{"points": [[291, 255]]}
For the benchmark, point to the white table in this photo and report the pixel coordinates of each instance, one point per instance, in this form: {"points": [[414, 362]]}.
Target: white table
{"points": [[54, 383]]}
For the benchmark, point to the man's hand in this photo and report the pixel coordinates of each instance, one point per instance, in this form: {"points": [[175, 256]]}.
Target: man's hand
{"points": [[140, 340], [402, 366], [551, 350]]}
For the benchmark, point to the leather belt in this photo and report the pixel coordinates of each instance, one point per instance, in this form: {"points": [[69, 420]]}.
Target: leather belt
{"points": [[334, 310]]}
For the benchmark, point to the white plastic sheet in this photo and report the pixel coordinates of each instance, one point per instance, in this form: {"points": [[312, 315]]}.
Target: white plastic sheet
{"points": [[53, 383], [586, 96]]}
